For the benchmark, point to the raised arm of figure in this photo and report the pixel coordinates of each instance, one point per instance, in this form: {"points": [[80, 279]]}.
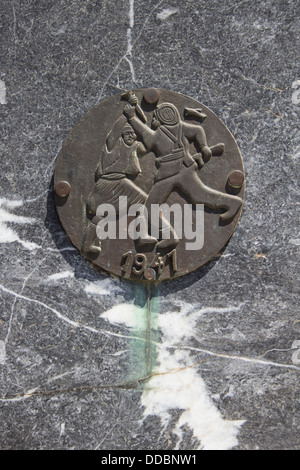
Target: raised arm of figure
{"points": [[145, 134]]}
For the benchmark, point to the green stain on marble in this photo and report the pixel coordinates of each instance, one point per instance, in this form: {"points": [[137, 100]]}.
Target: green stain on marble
{"points": [[143, 352]]}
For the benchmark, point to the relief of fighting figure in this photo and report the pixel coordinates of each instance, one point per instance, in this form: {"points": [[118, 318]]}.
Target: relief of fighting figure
{"points": [[169, 138]]}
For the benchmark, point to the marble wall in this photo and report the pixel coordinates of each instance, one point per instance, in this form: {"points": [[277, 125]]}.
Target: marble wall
{"points": [[213, 362]]}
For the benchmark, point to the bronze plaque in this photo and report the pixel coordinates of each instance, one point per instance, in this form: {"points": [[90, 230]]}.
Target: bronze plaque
{"points": [[149, 185]]}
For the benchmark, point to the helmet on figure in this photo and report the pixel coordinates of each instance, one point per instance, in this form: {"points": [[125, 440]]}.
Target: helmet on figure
{"points": [[167, 114]]}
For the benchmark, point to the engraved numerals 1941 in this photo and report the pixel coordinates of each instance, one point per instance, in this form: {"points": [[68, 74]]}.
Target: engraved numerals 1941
{"points": [[138, 263]]}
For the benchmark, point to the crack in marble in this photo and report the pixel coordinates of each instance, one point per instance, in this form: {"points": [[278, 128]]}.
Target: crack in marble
{"points": [[46, 393], [176, 383], [126, 385], [192, 309], [14, 28], [62, 317], [106, 436], [278, 116], [57, 377], [15, 300], [34, 199], [279, 90], [105, 332], [234, 7], [238, 358], [275, 350]]}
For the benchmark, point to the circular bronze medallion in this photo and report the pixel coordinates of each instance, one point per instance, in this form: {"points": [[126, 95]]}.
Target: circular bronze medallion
{"points": [[149, 185]]}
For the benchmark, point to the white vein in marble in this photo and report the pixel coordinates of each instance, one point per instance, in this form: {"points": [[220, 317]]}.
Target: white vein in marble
{"points": [[65, 319], [128, 315], [296, 93], [103, 287], [2, 352], [176, 383], [128, 56], [296, 354], [60, 276], [166, 13], [7, 233], [2, 92]]}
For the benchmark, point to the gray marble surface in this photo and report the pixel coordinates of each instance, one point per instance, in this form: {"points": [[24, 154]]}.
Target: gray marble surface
{"points": [[219, 369]]}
